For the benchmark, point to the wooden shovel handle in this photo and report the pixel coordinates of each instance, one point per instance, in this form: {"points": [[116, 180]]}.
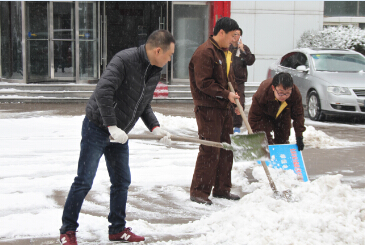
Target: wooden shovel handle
{"points": [[263, 163], [176, 138], [241, 110]]}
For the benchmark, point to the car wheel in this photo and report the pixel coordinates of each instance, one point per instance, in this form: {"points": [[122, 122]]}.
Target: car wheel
{"points": [[314, 107]]}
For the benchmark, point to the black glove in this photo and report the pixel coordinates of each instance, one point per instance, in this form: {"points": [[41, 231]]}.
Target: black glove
{"points": [[300, 143]]}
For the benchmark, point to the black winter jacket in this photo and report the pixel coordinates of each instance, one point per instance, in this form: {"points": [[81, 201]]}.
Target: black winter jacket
{"points": [[125, 91]]}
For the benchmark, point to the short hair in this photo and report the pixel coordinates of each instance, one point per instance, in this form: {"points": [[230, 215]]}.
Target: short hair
{"points": [[240, 31], [283, 78], [160, 38], [226, 24]]}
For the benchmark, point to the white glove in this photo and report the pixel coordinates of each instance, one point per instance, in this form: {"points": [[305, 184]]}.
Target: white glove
{"points": [[117, 135], [167, 136]]}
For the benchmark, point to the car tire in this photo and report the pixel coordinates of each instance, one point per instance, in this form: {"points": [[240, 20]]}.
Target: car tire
{"points": [[314, 107]]}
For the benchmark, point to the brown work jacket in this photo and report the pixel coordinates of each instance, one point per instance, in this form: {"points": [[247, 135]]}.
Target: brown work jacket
{"points": [[208, 76], [264, 103], [240, 63]]}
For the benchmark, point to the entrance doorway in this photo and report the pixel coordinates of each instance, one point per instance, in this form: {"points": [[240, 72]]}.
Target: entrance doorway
{"points": [[73, 41], [55, 31]]}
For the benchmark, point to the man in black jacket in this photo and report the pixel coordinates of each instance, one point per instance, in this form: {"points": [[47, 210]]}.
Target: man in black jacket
{"points": [[122, 95]]}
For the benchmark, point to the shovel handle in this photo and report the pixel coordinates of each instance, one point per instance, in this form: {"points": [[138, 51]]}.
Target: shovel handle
{"points": [[240, 108], [272, 184], [263, 163], [176, 138]]}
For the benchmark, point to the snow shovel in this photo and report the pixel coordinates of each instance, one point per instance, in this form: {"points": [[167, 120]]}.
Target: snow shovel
{"points": [[244, 147], [278, 195]]}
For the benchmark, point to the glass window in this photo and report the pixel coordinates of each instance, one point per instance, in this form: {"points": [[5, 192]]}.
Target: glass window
{"points": [[37, 27], [293, 60], [37, 20], [340, 8], [300, 59], [63, 20], [88, 39], [11, 40], [362, 8], [63, 58], [288, 60], [339, 62], [190, 29], [64, 39]]}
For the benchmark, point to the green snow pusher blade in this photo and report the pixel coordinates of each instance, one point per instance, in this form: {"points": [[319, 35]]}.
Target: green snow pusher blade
{"points": [[249, 147]]}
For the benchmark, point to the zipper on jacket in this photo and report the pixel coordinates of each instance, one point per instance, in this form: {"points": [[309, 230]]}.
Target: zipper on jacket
{"points": [[140, 98]]}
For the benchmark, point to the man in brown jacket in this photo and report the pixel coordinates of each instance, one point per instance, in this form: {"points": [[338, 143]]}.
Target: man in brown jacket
{"points": [[209, 75], [241, 58], [274, 104]]}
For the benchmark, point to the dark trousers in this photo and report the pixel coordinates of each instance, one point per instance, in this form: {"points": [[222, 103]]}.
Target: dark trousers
{"points": [[280, 126], [237, 119], [213, 165], [95, 143]]}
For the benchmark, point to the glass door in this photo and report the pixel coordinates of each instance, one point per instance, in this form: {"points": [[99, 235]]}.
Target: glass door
{"points": [[88, 40], [190, 29], [37, 41], [62, 30], [62, 43]]}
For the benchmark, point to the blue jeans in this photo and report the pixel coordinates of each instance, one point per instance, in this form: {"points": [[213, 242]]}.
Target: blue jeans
{"points": [[95, 143]]}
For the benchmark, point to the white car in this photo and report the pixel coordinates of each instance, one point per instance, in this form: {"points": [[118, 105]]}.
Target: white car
{"points": [[331, 81]]}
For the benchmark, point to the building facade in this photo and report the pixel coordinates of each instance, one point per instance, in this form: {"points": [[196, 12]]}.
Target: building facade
{"points": [[272, 28], [72, 42]]}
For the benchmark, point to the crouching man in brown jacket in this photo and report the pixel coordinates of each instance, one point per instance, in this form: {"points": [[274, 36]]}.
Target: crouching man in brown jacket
{"points": [[209, 74], [274, 104]]}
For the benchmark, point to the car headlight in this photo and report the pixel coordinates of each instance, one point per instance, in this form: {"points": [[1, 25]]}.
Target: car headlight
{"points": [[338, 90]]}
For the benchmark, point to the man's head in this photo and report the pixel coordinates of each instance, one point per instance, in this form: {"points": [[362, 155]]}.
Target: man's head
{"points": [[160, 46], [237, 35], [282, 86], [224, 31]]}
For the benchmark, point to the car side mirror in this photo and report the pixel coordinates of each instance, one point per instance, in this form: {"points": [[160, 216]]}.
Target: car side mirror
{"points": [[302, 68]]}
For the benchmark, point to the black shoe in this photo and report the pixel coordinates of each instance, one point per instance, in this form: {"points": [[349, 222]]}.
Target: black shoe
{"points": [[201, 200], [228, 196]]}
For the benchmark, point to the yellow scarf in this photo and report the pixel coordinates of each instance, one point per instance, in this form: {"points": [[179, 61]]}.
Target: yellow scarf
{"points": [[228, 60], [281, 108]]}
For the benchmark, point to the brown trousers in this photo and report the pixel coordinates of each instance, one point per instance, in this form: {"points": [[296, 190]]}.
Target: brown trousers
{"points": [[280, 126], [213, 165]]}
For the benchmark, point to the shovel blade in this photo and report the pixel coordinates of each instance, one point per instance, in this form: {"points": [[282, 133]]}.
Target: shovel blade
{"points": [[249, 147]]}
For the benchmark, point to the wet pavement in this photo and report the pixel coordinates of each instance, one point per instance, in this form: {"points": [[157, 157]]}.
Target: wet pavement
{"points": [[75, 109]]}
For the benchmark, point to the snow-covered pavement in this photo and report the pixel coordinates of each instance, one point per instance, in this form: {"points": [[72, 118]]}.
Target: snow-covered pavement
{"points": [[38, 160]]}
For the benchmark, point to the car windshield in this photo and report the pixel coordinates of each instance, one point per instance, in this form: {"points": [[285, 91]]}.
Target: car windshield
{"points": [[339, 62]]}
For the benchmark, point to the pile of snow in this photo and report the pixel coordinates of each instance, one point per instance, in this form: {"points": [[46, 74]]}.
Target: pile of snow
{"points": [[39, 160], [318, 139], [326, 212]]}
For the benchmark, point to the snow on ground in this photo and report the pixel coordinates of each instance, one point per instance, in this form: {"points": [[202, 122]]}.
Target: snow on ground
{"points": [[318, 139], [39, 158]]}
